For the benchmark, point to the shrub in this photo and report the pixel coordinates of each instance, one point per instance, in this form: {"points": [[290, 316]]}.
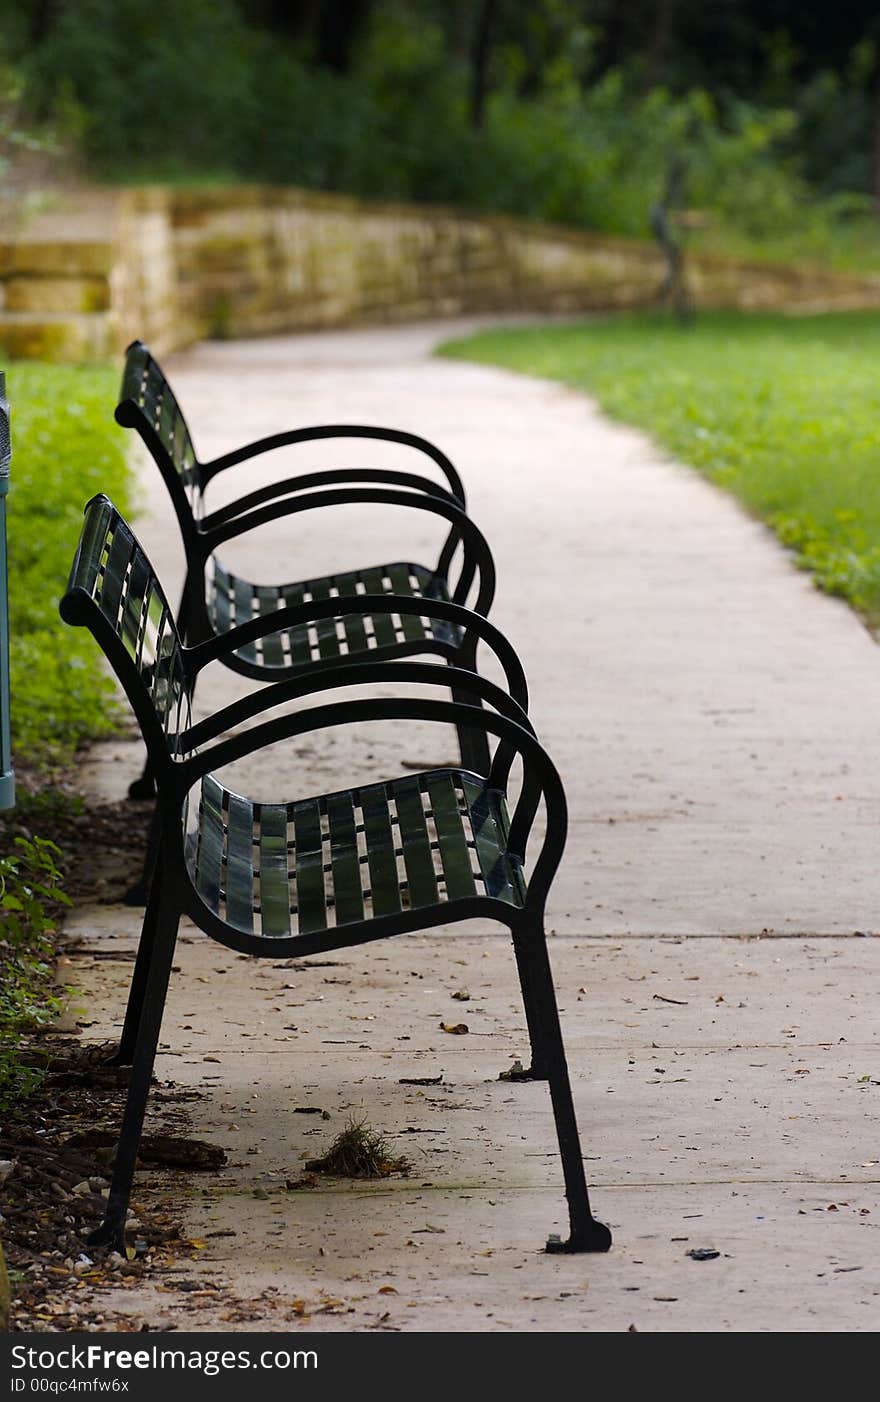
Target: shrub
{"points": [[168, 91], [30, 896]]}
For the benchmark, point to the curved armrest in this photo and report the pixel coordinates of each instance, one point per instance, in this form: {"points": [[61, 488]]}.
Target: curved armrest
{"points": [[311, 435], [332, 476], [338, 675], [201, 654], [537, 763], [476, 548]]}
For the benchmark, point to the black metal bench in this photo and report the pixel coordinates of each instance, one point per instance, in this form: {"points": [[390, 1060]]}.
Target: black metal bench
{"points": [[215, 599], [304, 875]]}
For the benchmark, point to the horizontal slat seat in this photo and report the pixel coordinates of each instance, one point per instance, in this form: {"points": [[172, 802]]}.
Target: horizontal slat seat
{"points": [[281, 869], [232, 600]]}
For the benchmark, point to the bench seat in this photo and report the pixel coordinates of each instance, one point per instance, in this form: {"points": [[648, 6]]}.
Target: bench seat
{"points": [[232, 600], [276, 869]]}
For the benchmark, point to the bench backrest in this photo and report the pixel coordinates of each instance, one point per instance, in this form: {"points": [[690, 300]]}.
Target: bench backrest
{"points": [[113, 591], [147, 404]]}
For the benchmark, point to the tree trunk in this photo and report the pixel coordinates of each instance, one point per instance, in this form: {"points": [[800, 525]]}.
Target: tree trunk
{"points": [[481, 54], [875, 149], [655, 59], [339, 24], [43, 14]]}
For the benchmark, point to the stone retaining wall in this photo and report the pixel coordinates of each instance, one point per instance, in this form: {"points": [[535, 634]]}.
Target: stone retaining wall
{"points": [[175, 265]]}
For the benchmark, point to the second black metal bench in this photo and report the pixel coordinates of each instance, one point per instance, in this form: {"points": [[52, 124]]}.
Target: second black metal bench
{"points": [[216, 598]]}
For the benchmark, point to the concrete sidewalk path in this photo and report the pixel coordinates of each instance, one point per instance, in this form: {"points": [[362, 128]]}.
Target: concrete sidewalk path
{"points": [[715, 918]]}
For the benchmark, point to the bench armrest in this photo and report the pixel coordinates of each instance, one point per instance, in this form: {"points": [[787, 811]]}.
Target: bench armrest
{"points": [[338, 674], [477, 555], [307, 481], [322, 431]]}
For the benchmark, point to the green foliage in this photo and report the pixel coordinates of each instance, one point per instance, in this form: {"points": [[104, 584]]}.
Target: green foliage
{"points": [[20, 141], [30, 896], [782, 411], [65, 448], [168, 91]]}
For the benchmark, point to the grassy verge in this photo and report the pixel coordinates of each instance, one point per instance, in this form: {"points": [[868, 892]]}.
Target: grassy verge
{"points": [[65, 448], [782, 411]]}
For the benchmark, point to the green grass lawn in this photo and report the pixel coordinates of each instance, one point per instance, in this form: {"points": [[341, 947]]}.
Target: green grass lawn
{"points": [[782, 411], [65, 448]]}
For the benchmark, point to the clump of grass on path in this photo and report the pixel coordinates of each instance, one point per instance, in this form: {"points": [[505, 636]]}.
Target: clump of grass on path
{"points": [[65, 448], [783, 411], [360, 1152]]}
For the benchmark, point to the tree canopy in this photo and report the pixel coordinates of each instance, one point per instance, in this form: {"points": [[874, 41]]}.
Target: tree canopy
{"points": [[566, 109]]}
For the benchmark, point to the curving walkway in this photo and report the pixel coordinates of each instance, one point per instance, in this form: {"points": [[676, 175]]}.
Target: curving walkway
{"points": [[715, 721]]}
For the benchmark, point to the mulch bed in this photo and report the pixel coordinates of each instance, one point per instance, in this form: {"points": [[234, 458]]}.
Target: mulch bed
{"points": [[61, 1139], [55, 1194]]}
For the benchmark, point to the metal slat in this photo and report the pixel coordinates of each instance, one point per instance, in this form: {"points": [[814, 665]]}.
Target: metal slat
{"points": [[121, 551], [133, 607], [165, 428], [416, 844], [348, 896], [240, 864], [491, 844], [454, 851], [182, 449], [273, 649], [353, 623], [177, 718], [413, 627], [328, 643], [300, 648], [310, 897], [274, 883], [210, 850], [221, 586], [384, 884], [432, 586], [382, 625], [243, 596], [153, 628]]}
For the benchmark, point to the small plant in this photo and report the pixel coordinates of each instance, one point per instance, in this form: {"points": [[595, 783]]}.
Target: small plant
{"points": [[30, 895], [359, 1152]]}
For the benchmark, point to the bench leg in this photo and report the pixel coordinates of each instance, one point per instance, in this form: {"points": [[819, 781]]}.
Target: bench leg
{"points": [[138, 892], [586, 1233], [537, 1071], [111, 1232], [124, 1054], [143, 787]]}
